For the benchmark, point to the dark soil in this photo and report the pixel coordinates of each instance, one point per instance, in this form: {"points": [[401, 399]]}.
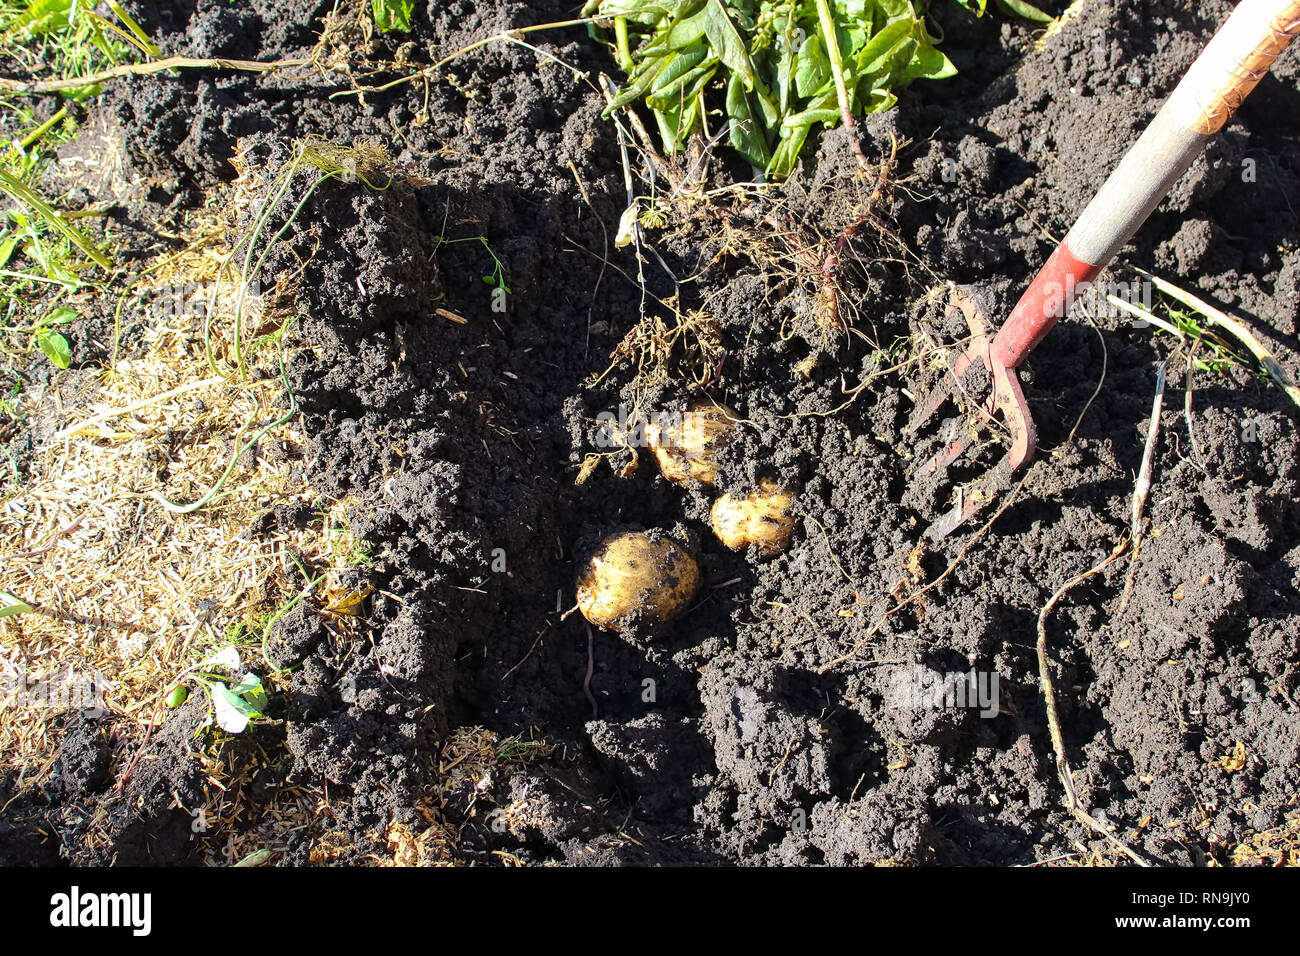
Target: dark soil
{"points": [[722, 737]]}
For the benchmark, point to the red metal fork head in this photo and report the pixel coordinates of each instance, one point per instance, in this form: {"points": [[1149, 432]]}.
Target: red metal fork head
{"points": [[1005, 399]]}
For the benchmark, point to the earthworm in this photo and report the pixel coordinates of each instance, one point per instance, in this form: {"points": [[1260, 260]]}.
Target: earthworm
{"points": [[591, 666]]}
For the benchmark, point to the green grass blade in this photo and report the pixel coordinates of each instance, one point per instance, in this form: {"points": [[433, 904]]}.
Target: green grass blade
{"points": [[24, 194], [144, 42]]}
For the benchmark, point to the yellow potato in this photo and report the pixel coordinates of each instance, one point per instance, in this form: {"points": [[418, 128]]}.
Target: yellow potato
{"points": [[636, 571], [687, 448], [763, 518]]}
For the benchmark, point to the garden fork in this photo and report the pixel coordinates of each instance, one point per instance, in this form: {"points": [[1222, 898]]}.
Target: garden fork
{"points": [[1228, 69]]}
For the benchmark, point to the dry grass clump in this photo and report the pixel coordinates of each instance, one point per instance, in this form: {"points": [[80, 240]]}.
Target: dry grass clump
{"points": [[128, 594]]}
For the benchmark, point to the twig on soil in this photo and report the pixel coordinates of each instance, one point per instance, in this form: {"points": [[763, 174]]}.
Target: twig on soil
{"points": [[1142, 488], [427, 73], [831, 551], [512, 36], [531, 648], [615, 269], [11, 85], [239, 449], [861, 387], [917, 594], [608, 89], [1053, 719], [130, 768], [134, 407], [789, 748], [830, 267]]}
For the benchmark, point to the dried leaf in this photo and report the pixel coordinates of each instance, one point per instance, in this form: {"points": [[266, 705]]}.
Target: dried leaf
{"points": [[588, 466]]}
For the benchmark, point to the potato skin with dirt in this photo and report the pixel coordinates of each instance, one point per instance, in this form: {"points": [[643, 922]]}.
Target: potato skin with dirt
{"points": [[634, 573], [763, 518], [687, 449]]}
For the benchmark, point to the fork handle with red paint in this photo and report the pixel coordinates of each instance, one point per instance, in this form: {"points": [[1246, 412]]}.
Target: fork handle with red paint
{"points": [[1228, 69]]}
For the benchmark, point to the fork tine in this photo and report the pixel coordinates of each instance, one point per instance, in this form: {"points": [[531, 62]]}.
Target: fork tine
{"points": [[973, 500], [1005, 400], [1009, 399]]}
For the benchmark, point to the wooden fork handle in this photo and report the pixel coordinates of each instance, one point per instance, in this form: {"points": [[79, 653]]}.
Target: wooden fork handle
{"points": [[1228, 69]]}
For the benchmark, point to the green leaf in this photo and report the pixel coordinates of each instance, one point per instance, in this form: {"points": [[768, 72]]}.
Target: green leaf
{"points": [[929, 64], [767, 61], [828, 115], [24, 194], [250, 688], [679, 66], [233, 712], [10, 605], [60, 316], [727, 43], [881, 49], [246, 683], [896, 65], [895, 9], [787, 152], [812, 67], [1027, 11], [143, 38], [746, 136], [770, 114], [55, 347], [676, 121], [640, 84], [7, 249], [392, 16], [42, 17], [878, 101], [685, 70], [685, 32]]}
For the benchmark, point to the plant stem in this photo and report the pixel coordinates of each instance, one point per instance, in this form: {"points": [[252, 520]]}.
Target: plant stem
{"points": [[11, 85], [841, 92], [623, 45], [1142, 488], [44, 128], [510, 35]]}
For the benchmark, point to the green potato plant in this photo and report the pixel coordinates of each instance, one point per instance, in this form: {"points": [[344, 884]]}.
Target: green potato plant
{"points": [[770, 62]]}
